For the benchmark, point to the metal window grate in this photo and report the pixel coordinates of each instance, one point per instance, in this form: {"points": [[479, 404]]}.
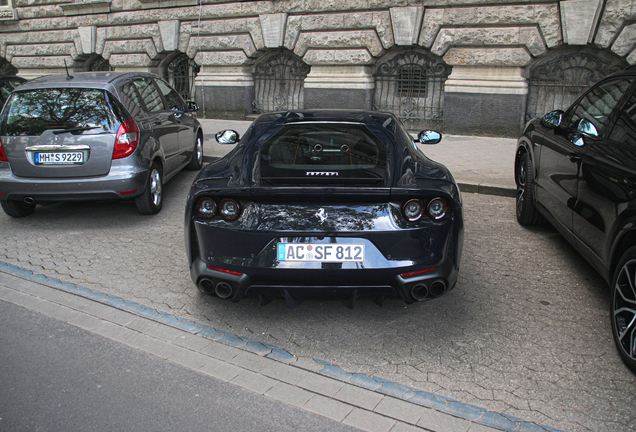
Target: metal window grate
{"points": [[181, 73], [411, 86], [279, 82], [556, 82]]}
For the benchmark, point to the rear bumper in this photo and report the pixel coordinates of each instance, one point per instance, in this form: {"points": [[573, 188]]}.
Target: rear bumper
{"points": [[328, 282], [120, 183]]}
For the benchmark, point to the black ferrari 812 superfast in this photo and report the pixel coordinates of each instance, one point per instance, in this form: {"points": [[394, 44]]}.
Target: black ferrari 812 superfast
{"points": [[325, 204]]}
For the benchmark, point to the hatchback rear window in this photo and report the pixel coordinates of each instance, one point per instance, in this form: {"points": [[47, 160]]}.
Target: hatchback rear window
{"points": [[88, 111], [319, 152]]}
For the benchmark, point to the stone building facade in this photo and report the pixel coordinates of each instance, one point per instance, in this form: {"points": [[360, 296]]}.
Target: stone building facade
{"points": [[462, 66]]}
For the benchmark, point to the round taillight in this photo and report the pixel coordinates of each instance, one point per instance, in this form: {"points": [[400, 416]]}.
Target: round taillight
{"points": [[413, 210], [437, 208], [230, 209], [206, 208]]}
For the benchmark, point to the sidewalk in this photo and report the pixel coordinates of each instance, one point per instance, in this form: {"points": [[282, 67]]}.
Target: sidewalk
{"points": [[304, 385], [479, 164]]}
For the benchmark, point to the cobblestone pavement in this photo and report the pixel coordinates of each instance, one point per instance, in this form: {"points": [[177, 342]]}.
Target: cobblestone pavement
{"points": [[525, 332]]}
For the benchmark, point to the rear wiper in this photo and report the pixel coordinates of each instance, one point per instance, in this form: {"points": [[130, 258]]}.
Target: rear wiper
{"points": [[75, 129]]}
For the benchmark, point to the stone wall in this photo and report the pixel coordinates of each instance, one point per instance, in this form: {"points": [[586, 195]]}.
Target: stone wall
{"points": [[489, 45]]}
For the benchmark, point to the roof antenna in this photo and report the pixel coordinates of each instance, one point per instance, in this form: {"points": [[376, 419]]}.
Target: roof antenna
{"points": [[68, 76]]}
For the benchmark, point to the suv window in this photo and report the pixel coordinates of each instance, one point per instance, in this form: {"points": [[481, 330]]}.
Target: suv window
{"points": [[30, 113], [597, 104], [172, 97], [625, 129], [312, 152], [149, 94]]}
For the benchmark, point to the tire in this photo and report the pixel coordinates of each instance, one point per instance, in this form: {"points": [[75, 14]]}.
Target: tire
{"points": [[149, 202], [526, 212], [623, 308], [197, 156], [17, 209]]}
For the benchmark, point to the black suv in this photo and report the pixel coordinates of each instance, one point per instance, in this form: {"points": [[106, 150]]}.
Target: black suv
{"points": [[577, 169]]}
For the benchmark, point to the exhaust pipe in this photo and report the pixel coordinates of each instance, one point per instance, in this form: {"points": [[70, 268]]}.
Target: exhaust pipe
{"points": [[419, 292], [206, 286], [29, 200], [438, 287], [223, 290]]}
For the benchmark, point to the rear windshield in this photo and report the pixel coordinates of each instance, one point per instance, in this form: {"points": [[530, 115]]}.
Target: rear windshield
{"points": [[88, 111], [319, 152]]}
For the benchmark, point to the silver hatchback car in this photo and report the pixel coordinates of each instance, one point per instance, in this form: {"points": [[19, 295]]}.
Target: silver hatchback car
{"points": [[94, 136]]}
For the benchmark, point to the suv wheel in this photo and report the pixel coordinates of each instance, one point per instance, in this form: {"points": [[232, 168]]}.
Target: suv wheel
{"points": [[623, 308], [150, 201], [17, 209], [526, 212]]}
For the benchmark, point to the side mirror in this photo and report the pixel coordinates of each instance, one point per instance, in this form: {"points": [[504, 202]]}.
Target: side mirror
{"points": [[192, 106], [228, 136], [429, 137], [587, 127], [552, 119]]}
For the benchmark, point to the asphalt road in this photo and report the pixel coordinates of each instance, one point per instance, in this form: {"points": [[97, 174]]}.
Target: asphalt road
{"points": [[525, 332]]}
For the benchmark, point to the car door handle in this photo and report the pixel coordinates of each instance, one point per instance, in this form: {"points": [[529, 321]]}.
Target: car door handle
{"points": [[574, 157]]}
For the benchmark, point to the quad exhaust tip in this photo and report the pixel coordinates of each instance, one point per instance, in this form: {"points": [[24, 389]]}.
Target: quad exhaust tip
{"points": [[421, 292], [223, 290], [206, 286]]}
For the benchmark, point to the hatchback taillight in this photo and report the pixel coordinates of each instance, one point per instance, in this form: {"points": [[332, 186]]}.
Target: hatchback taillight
{"points": [[3, 155], [127, 139]]}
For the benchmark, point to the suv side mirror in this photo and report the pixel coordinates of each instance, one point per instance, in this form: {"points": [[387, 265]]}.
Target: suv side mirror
{"points": [[228, 136], [192, 106], [552, 119], [587, 127], [429, 137]]}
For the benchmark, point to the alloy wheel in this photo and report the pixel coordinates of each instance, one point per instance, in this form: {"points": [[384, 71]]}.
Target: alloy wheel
{"points": [[155, 187], [624, 309]]}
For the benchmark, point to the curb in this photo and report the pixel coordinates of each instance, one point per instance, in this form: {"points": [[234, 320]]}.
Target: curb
{"points": [[374, 384]]}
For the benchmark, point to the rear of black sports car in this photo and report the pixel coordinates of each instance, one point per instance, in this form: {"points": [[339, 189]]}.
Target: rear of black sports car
{"points": [[324, 205]]}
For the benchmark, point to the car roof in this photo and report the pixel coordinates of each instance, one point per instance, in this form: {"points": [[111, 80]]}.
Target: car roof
{"points": [[98, 80]]}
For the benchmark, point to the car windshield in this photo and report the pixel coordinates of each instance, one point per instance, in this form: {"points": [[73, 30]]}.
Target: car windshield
{"points": [[30, 113], [315, 152]]}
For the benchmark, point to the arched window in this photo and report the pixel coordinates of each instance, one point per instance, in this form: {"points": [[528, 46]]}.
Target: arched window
{"points": [[279, 78], [410, 84], [98, 64], [558, 78], [180, 73]]}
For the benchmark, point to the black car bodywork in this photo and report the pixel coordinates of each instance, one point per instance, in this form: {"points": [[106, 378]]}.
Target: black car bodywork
{"points": [[577, 169], [356, 208]]}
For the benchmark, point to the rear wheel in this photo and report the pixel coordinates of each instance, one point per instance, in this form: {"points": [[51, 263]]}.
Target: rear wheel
{"points": [[150, 201], [526, 212], [17, 209], [197, 156], [623, 308]]}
